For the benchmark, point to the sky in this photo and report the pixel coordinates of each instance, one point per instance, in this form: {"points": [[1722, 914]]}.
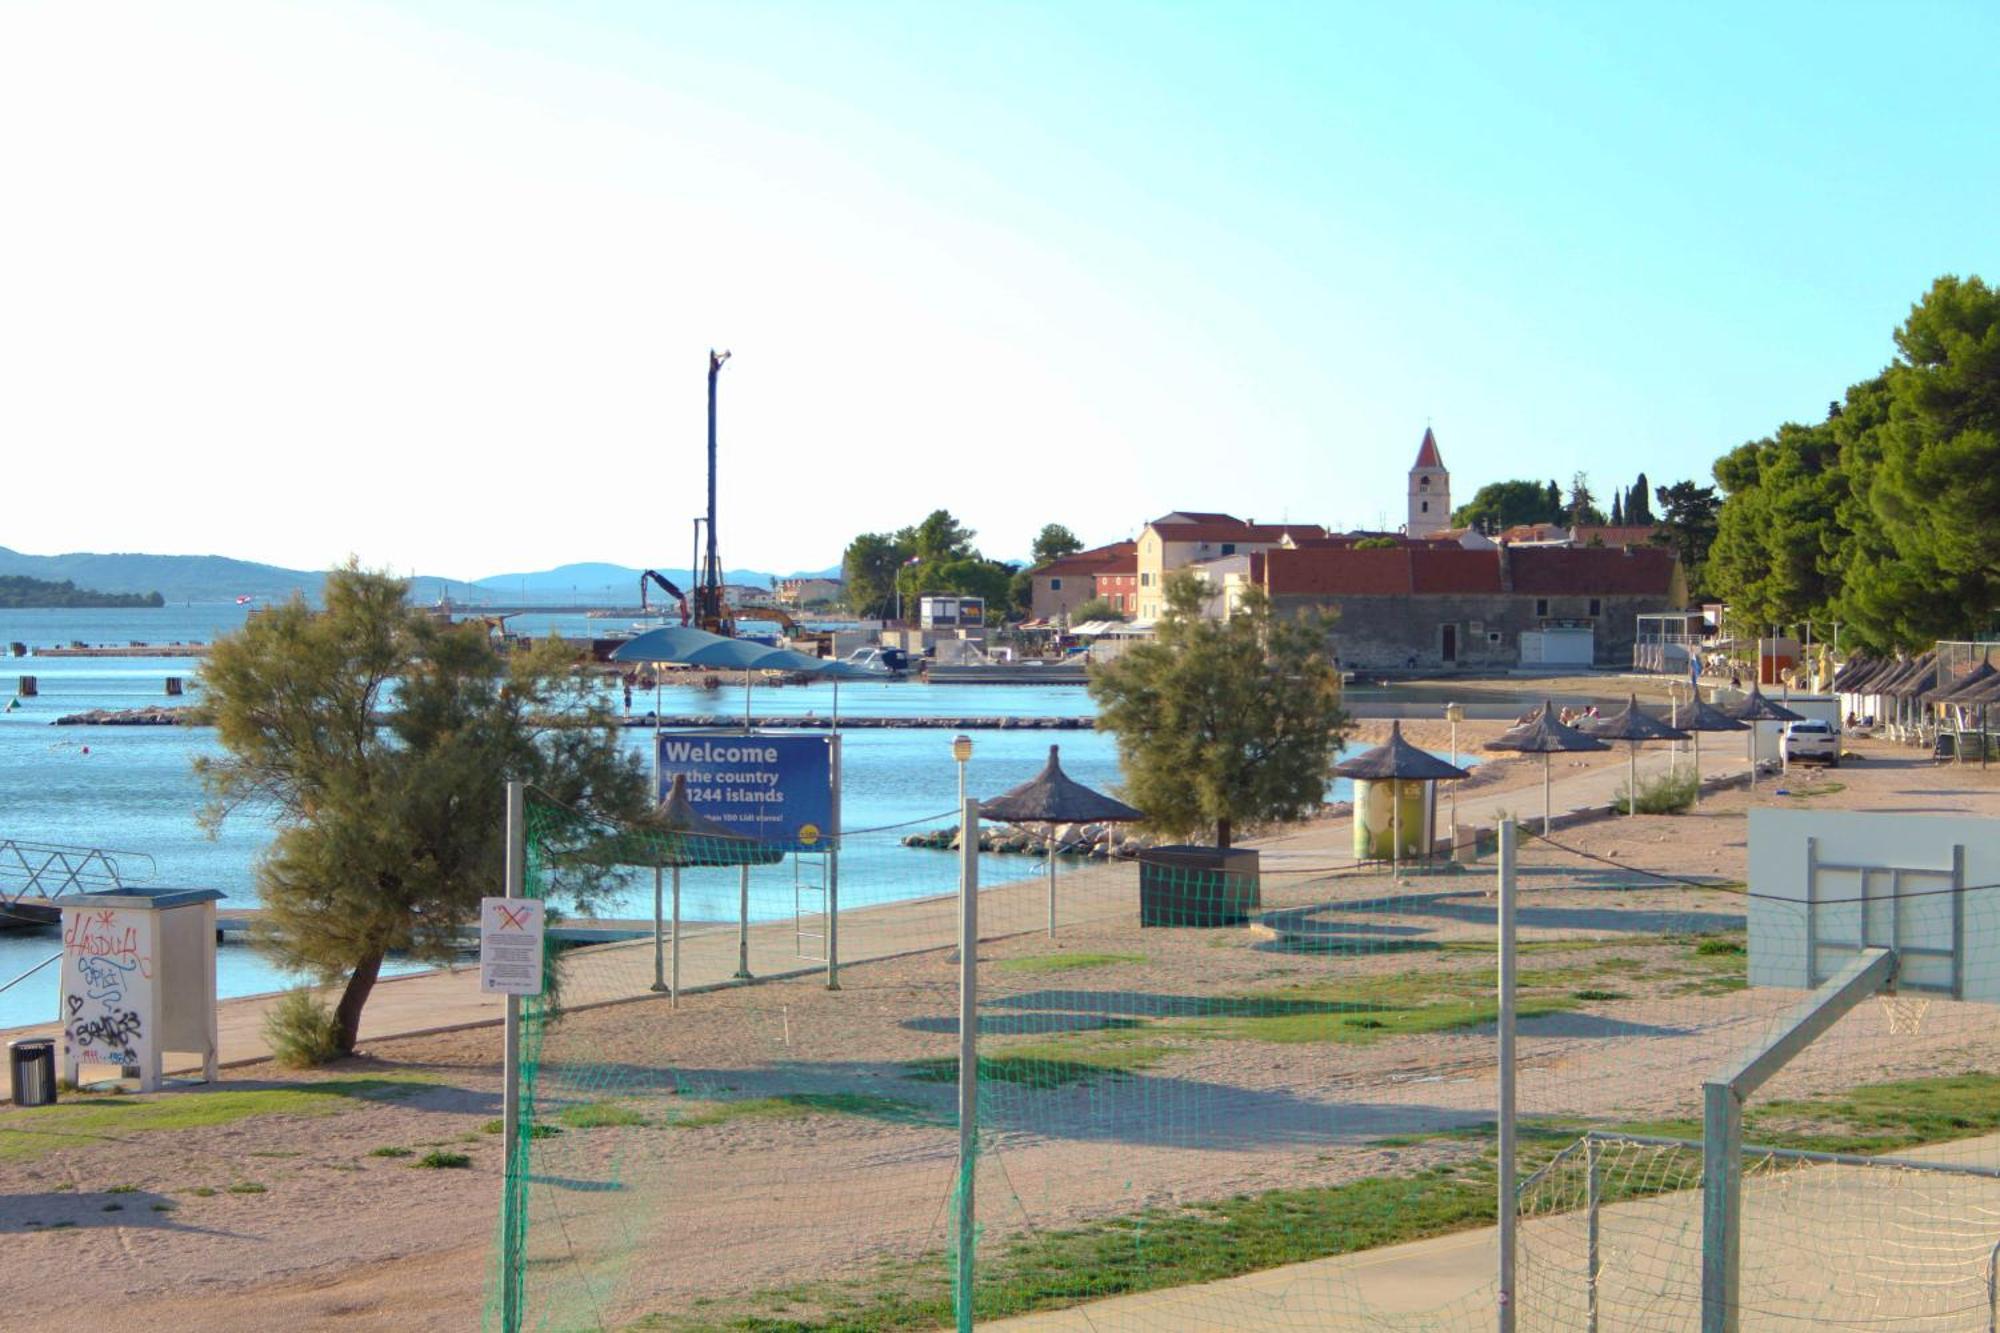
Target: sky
{"points": [[435, 284]]}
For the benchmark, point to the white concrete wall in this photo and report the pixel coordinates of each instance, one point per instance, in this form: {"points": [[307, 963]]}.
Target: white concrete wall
{"points": [[1777, 914]]}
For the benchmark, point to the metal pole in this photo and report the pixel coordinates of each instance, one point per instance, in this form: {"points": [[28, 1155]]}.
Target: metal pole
{"points": [[833, 877], [1631, 777], [1697, 768], [1595, 1198], [514, 1224], [968, 1051], [712, 570], [743, 923], [1454, 790], [674, 977], [1506, 1202], [659, 936]]}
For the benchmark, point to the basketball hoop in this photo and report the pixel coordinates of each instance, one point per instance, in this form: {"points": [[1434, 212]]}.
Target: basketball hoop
{"points": [[1904, 1012]]}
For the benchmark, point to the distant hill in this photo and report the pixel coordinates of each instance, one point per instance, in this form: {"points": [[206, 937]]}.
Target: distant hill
{"points": [[20, 591], [216, 578], [185, 578]]}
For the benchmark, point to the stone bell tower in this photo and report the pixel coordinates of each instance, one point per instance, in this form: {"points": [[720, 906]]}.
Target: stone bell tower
{"points": [[1430, 490]]}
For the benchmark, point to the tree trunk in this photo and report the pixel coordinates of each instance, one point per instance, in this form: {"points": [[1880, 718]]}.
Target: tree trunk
{"points": [[348, 1012], [1222, 833]]}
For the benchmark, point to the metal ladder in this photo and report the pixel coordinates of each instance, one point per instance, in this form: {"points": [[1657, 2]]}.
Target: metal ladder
{"points": [[809, 898]]}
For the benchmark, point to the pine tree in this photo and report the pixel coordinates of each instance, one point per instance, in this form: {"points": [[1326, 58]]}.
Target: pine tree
{"points": [[1617, 511], [1639, 505]]}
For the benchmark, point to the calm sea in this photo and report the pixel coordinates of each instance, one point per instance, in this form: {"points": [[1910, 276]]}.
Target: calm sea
{"points": [[133, 789]]}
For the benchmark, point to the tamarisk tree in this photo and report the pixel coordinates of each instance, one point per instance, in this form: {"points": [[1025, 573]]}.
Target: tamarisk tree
{"points": [[1223, 722], [380, 739]]}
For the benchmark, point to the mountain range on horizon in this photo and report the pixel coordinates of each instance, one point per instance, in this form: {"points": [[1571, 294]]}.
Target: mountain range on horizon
{"points": [[212, 578]]}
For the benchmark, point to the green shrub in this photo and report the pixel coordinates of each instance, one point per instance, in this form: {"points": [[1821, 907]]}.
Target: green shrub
{"points": [[438, 1160], [301, 1030], [1667, 794]]}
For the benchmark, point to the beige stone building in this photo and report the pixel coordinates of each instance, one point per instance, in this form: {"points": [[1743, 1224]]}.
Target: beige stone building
{"points": [[1174, 541]]}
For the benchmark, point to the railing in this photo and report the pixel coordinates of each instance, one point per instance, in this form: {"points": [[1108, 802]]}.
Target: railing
{"points": [[30, 972], [49, 870]]}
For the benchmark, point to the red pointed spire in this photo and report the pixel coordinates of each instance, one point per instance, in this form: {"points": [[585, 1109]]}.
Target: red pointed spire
{"points": [[1427, 452]]}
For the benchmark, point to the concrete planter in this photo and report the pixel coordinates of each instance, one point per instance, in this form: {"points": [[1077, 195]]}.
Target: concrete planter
{"points": [[1198, 886]]}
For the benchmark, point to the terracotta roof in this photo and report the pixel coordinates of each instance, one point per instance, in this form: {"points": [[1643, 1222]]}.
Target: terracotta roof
{"points": [[1592, 571], [1196, 516], [1427, 452], [1419, 571], [1535, 532], [1117, 558]]}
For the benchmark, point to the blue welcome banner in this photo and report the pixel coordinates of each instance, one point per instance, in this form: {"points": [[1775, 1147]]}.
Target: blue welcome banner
{"points": [[776, 789]]}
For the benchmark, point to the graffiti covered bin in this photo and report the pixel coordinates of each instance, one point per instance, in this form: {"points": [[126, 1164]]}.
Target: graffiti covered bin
{"points": [[138, 981]]}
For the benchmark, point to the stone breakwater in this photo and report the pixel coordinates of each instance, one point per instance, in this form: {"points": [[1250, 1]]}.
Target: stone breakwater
{"points": [[1098, 841], [818, 722], [170, 717]]}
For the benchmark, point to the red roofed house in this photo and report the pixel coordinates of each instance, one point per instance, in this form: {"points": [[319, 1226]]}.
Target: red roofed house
{"points": [[1183, 538], [1060, 586], [1434, 607]]}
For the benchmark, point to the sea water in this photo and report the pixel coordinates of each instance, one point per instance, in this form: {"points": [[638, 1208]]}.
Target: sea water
{"points": [[133, 789]]}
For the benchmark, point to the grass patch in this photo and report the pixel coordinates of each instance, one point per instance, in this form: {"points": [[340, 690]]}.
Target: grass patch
{"points": [[247, 1187], [1814, 789], [1145, 1251], [113, 1208], [1595, 995], [203, 1191], [1873, 1118], [796, 1105], [1054, 1063], [389, 1150], [123, 1189], [29, 1132], [1068, 962], [1722, 946], [164, 1207], [1666, 794], [439, 1160], [599, 1115], [301, 1030], [537, 1131]]}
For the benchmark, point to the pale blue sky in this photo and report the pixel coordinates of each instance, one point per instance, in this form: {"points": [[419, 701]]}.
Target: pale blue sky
{"points": [[434, 283]]}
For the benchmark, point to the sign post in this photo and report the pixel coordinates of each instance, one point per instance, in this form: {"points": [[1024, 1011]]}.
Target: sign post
{"points": [[782, 791], [514, 1196]]}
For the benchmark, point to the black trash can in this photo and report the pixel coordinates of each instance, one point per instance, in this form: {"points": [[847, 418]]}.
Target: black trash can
{"points": [[31, 1062]]}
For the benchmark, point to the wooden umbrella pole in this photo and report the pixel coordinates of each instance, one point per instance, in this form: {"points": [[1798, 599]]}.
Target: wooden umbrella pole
{"points": [[1631, 778], [1052, 881], [1697, 768], [1547, 801]]}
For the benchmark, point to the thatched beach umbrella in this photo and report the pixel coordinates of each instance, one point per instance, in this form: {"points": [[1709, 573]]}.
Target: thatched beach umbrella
{"points": [[1052, 797], [1972, 690], [1545, 734], [1759, 708], [1396, 762], [1703, 716], [1633, 726]]}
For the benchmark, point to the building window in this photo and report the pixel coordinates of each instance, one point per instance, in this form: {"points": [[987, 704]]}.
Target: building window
{"points": [[1425, 507], [1596, 607], [1229, 548], [1542, 606], [1055, 585], [1424, 483], [1146, 580], [1493, 636]]}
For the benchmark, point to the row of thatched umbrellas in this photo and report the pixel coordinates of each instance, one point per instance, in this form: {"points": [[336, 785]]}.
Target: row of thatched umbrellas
{"points": [[1543, 732]]}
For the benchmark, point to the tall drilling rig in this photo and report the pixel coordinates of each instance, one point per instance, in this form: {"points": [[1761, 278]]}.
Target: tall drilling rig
{"points": [[710, 612]]}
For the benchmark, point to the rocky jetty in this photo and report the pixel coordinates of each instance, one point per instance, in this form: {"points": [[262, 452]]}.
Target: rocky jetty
{"points": [[818, 722], [1093, 841], [155, 716]]}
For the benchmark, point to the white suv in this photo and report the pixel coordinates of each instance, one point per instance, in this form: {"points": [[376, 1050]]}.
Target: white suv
{"points": [[1811, 741]]}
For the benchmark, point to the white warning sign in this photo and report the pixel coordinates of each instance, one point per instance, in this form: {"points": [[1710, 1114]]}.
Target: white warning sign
{"points": [[510, 946]]}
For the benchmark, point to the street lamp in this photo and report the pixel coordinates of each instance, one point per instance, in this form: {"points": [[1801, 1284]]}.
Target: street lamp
{"points": [[961, 750], [1454, 714]]}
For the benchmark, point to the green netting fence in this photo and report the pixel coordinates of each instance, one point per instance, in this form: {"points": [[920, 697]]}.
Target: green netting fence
{"points": [[1209, 1097]]}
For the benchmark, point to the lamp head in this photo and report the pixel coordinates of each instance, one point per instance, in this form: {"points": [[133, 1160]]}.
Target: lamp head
{"points": [[1454, 712], [961, 747]]}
